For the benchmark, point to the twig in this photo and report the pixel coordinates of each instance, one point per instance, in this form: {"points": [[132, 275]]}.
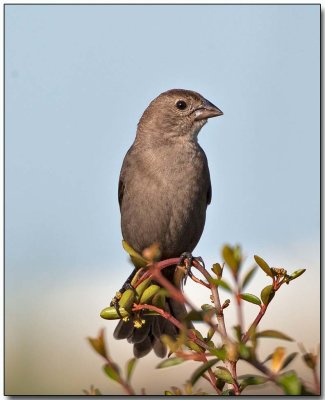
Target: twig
{"points": [[239, 305], [197, 280], [216, 301], [163, 313], [213, 379], [121, 381], [316, 381], [233, 370], [261, 367], [159, 265], [191, 335], [172, 290], [255, 323], [231, 365]]}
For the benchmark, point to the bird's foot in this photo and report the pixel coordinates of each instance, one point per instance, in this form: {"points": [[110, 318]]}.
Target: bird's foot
{"points": [[115, 302], [187, 256], [126, 285], [116, 299], [186, 259]]}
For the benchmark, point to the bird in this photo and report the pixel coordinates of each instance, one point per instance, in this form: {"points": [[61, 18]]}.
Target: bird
{"points": [[164, 190]]}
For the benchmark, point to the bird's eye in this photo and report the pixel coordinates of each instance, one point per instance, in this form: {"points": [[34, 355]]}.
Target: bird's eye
{"points": [[181, 105]]}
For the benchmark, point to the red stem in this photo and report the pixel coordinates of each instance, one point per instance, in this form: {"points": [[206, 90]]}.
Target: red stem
{"points": [[169, 317], [255, 322], [316, 380]]}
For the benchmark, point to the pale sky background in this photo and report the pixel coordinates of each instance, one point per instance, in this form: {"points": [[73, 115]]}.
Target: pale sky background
{"points": [[77, 81]]}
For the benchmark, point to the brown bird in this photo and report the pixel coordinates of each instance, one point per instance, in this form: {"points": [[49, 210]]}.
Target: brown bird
{"points": [[164, 190]]}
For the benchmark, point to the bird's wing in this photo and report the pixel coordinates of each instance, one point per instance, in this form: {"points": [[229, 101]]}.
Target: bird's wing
{"points": [[121, 187], [209, 194], [122, 180]]}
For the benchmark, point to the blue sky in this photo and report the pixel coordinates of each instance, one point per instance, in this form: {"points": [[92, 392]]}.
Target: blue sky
{"points": [[77, 81]]}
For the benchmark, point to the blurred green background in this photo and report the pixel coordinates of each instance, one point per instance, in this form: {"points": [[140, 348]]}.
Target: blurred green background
{"points": [[77, 79]]}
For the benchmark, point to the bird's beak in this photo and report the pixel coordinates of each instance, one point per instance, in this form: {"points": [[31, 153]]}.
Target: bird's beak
{"points": [[207, 110]]}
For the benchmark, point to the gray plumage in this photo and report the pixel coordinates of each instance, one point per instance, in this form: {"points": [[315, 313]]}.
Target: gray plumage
{"points": [[164, 190]]}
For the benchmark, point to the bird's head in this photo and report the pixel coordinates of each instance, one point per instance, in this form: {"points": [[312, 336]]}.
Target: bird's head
{"points": [[176, 113]]}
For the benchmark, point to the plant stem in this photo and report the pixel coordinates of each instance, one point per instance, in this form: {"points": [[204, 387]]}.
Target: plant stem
{"points": [[255, 322], [213, 379], [173, 320], [239, 305], [261, 367], [216, 301], [233, 370], [121, 381], [316, 381], [231, 365], [190, 334]]}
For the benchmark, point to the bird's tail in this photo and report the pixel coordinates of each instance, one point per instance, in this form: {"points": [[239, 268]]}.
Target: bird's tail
{"points": [[148, 337]]}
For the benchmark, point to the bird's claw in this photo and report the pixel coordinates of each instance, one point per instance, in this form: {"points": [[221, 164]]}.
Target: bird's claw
{"points": [[189, 257], [127, 285], [200, 260], [115, 300]]}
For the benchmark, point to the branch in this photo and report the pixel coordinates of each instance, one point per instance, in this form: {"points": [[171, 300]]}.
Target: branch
{"points": [[216, 300], [255, 322], [191, 335]]}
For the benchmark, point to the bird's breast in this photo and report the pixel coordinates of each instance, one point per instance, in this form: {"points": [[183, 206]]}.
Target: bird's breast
{"points": [[165, 201]]}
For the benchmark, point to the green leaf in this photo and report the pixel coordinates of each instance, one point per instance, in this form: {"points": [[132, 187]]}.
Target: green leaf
{"points": [[210, 334], [230, 256], [251, 380], [248, 277], [244, 351], [224, 374], [296, 274], [136, 258], [98, 344], [237, 253], [264, 265], [207, 307], [170, 362], [197, 333], [290, 383], [273, 334], [112, 371], [194, 315], [200, 371], [194, 346], [217, 269], [220, 353], [251, 298], [130, 368], [288, 360], [173, 345], [222, 283], [267, 294], [220, 384]]}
